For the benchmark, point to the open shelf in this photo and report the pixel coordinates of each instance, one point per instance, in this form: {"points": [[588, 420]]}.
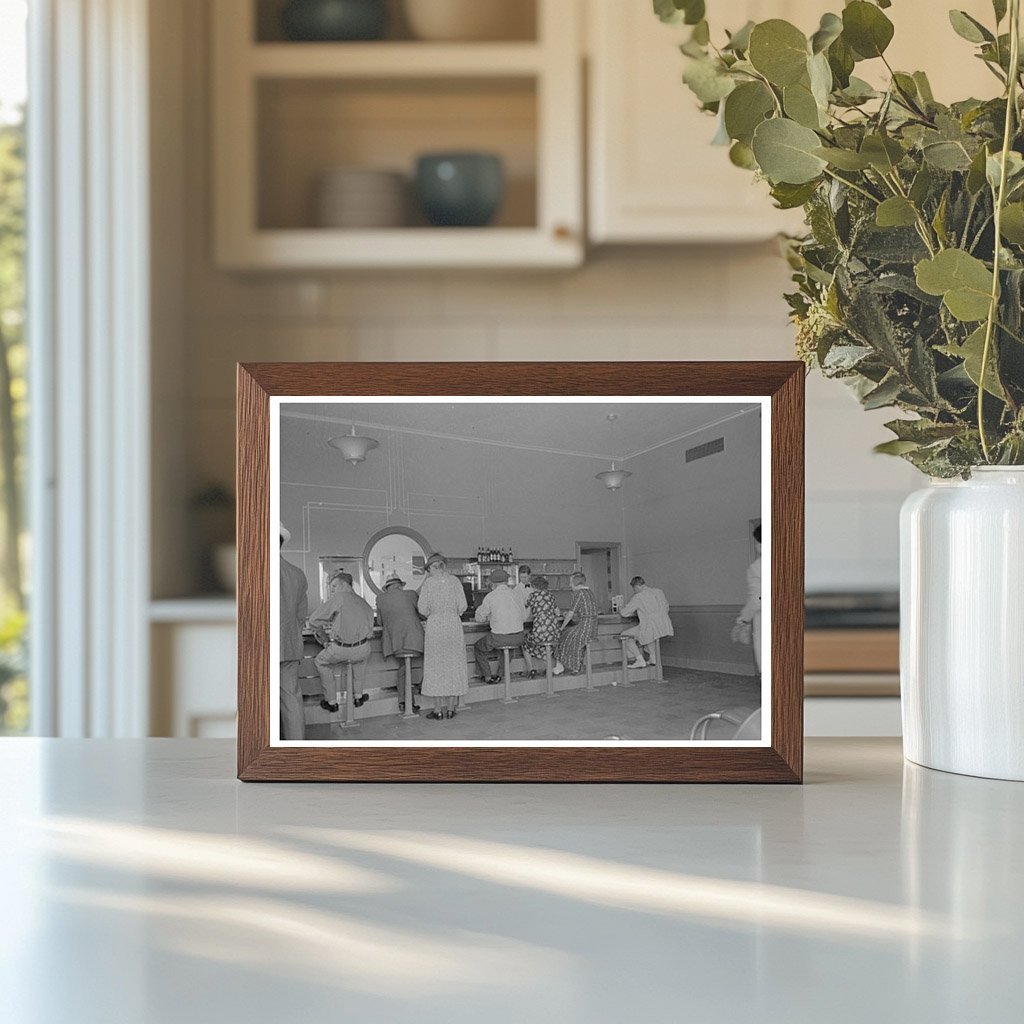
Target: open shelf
{"points": [[286, 114], [519, 22]]}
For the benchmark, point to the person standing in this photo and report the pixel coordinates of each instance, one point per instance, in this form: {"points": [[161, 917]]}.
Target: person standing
{"points": [[650, 605], [401, 629], [751, 611], [441, 602], [344, 625], [524, 586], [574, 639], [294, 608], [503, 610]]}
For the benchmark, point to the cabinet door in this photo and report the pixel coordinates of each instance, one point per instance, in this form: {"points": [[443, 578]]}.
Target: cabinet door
{"points": [[654, 176]]}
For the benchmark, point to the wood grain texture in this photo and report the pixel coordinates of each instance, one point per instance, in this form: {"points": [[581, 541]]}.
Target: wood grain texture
{"points": [[782, 762]]}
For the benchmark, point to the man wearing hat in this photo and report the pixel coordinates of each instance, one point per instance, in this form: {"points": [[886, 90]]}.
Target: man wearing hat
{"points": [[344, 625], [294, 608], [401, 629], [503, 609]]}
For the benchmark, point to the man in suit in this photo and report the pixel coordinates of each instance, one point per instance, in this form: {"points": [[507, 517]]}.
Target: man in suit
{"points": [[294, 609]]}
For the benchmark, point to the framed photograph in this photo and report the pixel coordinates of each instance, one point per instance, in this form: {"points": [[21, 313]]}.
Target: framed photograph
{"points": [[520, 572]]}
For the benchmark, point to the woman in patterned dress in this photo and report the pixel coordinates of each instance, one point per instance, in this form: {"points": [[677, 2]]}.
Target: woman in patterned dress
{"points": [[573, 641], [445, 675], [540, 605]]}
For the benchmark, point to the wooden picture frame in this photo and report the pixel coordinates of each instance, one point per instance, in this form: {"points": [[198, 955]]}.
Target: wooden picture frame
{"points": [[779, 386]]}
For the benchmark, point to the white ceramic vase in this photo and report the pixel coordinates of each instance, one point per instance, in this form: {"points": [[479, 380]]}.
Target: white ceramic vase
{"points": [[962, 624]]}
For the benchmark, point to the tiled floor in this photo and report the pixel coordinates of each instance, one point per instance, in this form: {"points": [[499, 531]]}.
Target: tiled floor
{"points": [[647, 711]]}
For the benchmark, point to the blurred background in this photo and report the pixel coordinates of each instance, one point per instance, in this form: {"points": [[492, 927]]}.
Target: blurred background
{"points": [[254, 180]]}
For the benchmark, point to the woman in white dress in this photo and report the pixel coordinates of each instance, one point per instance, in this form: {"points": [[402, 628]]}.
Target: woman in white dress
{"points": [[751, 613], [651, 606], [445, 673]]}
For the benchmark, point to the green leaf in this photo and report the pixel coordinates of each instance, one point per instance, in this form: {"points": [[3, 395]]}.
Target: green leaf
{"points": [[947, 156], [739, 41], [968, 28], [896, 212], [1014, 169], [741, 155], [677, 12], [820, 76], [924, 88], [778, 50], [745, 108], [830, 29], [844, 159], [707, 80], [921, 185], [999, 6], [883, 153], [1012, 225], [963, 281], [976, 174], [800, 105], [785, 152], [866, 29], [841, 60], [701, 33], [895, 447], [971, 352], [789, 197], [885, 394]]}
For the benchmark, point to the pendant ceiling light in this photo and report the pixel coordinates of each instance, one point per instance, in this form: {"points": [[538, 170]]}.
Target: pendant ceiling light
{"points": [[612, 478], [353, 447]]}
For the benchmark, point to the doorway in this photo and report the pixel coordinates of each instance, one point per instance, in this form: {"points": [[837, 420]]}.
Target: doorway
{"points": [[599, 561]]}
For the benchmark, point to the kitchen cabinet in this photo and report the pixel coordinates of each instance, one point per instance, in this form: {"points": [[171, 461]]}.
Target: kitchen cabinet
{"points": [[653, 175], [287, 113]]}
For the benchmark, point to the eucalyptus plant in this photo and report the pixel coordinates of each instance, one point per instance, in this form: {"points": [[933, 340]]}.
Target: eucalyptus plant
{"points": [[909, 280]]}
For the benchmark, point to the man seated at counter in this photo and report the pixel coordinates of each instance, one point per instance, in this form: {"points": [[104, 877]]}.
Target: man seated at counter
{"points": [[343, 624], [503, 609], [401, 629], [650, 605]]}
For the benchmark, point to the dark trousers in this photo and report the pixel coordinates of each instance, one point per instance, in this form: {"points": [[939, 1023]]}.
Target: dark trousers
{"points": [[487, 643]]}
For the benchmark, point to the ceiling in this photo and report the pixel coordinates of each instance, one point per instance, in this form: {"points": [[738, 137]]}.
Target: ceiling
{"points": [[579, 428]]}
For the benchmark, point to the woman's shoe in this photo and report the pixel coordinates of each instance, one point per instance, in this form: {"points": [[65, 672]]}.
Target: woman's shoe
{"points": [[450, 713], [435, 715], [333, 708], [360, 701]]}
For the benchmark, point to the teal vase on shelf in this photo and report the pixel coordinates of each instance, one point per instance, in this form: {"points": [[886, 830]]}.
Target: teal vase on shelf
{"points": [[330, 21]]}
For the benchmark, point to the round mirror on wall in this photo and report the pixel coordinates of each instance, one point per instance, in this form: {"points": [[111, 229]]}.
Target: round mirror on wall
{"points": [[396, 550]]}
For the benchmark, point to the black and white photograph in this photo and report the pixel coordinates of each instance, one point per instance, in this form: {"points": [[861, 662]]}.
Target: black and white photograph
{"points": [[521, 571]]}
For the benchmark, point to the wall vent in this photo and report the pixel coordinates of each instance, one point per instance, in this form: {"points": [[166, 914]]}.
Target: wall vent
{"points": [[702, 451]]}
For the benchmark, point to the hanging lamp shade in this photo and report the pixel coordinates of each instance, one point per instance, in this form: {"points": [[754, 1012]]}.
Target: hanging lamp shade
{"points": [[613, 478], [353, 447]]}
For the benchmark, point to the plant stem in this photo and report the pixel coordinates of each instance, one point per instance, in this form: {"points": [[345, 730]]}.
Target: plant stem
{"points": [[850, 184], [1000, 198]]}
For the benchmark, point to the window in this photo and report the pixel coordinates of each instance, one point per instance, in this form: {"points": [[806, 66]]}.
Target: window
{"points": [[14, 550]]}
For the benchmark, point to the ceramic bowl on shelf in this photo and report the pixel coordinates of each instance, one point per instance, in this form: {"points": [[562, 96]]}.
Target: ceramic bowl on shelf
{"points": [[332, 21], [361, 198], [460, 189], [470, 20]]}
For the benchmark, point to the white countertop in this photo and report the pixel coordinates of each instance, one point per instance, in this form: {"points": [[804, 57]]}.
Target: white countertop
{"points": [[143, 885]]}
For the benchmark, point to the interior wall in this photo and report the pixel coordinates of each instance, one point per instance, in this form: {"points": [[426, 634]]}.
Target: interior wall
{"points": [[687, 522], [705, 302], [458, 494]]}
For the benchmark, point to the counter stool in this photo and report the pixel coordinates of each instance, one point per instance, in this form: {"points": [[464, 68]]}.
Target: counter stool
{"points": [[547, 667], [410, 704], [349, 721], [660, 676], [590, 668], [623, 637], [506, 650]]}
